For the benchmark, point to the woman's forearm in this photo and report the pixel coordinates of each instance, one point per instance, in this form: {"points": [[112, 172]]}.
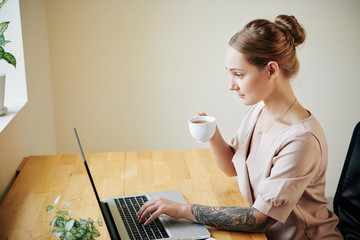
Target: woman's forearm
{"points": [[247, 219], [222, 153]]}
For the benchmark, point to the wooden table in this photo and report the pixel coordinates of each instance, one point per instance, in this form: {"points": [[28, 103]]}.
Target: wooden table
{"points": [[43, 178]]}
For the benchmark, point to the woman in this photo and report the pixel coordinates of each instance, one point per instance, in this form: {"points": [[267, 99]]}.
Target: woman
{"points": [[280, 151]]}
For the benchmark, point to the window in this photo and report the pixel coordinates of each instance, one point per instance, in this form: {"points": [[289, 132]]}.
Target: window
{"points": [[15, 83]]}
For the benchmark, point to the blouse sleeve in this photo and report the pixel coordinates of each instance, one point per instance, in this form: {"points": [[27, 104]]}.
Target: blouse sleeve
{"points": [[297, 162]]}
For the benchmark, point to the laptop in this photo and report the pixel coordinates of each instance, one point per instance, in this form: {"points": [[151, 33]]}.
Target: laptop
{"points": [[120, 217]]}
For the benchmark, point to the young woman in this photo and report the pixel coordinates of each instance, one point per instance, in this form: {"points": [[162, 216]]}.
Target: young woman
{"points": [[280, 151]]}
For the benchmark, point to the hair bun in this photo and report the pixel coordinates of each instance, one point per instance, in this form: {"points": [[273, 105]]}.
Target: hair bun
{"points": [[291, 24]]}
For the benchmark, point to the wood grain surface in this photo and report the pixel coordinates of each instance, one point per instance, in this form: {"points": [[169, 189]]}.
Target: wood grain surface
{"points": [[42, 178]]}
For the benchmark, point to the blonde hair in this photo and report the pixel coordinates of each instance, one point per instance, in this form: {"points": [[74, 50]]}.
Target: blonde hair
{"points": [[262, 41]]}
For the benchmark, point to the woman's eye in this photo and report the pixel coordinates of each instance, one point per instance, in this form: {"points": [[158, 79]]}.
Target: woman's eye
{"points": [[239, 75]]}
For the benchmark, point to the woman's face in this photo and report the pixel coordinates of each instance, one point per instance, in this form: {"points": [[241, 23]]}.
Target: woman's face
{"points": [[247, 80]]}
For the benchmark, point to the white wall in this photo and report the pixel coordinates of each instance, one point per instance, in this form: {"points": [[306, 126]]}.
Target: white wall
{"points": [[128, 74]]}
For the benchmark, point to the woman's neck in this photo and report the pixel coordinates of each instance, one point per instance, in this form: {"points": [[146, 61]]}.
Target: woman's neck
{"points": [[280, 99]]}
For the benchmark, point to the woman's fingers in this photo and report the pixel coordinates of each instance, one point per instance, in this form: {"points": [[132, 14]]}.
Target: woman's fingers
{"points": [[150, 207], [149, 210], [200, 114], [153, 216], [158, 206], [146, 209]]}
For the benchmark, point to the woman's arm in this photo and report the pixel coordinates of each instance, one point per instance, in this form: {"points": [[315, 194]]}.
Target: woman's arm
{"points": [[222, 153], [246, 219]]}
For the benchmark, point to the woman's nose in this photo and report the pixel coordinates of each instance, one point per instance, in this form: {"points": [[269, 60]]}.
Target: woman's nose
{"points": [[233, 86]]}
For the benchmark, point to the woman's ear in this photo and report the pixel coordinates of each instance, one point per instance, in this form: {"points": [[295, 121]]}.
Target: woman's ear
{"points": [[273, 69]]}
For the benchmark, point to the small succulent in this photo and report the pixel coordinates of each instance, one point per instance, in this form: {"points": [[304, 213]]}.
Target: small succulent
{"points": [[67, 228]]}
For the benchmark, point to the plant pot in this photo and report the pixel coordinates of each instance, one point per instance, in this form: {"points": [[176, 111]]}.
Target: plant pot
{"points": [[3, 109]]}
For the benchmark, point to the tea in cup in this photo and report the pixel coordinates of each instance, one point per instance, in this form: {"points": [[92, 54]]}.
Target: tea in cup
{"points": [[202, 128]]}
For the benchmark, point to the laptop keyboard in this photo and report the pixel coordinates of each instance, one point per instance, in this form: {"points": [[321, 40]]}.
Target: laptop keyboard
{"points": [[128, 207]]}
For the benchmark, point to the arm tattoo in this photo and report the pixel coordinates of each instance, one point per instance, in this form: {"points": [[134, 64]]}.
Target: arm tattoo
{"points": [[230, 218]]}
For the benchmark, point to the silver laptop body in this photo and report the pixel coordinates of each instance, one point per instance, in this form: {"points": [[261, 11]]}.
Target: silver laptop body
{"points": [[117, 222]]}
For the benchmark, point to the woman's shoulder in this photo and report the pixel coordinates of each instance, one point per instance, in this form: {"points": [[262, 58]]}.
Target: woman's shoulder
{"points": [[306, 129], [309, 124]]}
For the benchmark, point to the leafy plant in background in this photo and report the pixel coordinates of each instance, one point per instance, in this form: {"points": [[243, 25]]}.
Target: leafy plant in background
{"points": [[67, 228], [5, 55]]}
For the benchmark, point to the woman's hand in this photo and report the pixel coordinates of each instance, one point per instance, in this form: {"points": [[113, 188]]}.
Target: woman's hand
{"points": [[200, 114], [159, 206]]}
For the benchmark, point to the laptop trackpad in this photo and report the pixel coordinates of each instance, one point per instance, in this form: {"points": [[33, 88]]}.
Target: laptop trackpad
{"points": [[181, 228]]}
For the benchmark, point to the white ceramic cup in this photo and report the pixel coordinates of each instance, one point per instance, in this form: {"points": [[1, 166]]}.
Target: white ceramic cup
{"points": [[202, 128]]}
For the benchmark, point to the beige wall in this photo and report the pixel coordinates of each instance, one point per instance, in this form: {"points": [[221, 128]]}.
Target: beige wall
{"points": [[128, 74], [32, 131]]}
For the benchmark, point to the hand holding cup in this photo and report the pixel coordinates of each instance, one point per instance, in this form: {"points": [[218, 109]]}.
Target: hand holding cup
{"points": [[202, 127]]}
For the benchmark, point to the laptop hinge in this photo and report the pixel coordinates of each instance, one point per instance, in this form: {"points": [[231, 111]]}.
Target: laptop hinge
{"points": [[109, 221]]}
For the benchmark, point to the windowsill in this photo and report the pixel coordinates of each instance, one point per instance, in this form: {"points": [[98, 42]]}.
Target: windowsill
{"points": [[13, 109]]}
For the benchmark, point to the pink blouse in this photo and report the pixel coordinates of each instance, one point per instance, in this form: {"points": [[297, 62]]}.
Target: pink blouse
{"points": [[284, 177]]}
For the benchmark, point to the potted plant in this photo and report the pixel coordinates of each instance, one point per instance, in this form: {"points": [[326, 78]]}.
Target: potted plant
{"points": [[67, 228], [8, 57]]}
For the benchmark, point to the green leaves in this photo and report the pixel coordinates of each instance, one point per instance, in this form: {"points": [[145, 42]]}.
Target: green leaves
{"points": [[74, 229], [5, 55], [9, 58], [49, 208], [100, 222], [3, 27], [63, 213], [53, 221], [69, 224], [57, 200], [58, 232], [67, 228], [2, 3], [68, 204]]}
